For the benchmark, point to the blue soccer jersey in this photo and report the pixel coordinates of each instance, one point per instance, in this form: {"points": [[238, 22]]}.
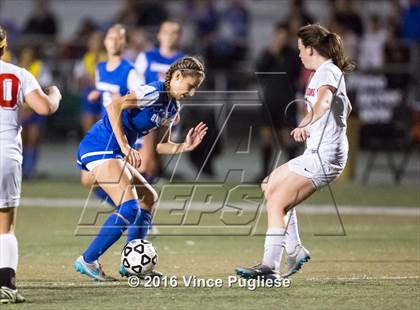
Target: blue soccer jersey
{"points": [[152, 65], [120, 80], [154, 109]]}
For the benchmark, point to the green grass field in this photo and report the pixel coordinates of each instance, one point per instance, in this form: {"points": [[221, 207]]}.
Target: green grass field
{"points": [[375, 265]]}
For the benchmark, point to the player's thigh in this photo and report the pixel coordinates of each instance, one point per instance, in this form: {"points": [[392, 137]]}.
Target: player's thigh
{"points": [[145, 192], [115, 178], [275, 178], [291, 191]]}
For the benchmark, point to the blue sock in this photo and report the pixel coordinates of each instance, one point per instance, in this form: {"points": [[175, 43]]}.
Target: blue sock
{"points": [[140, 227], [112, 229], [103, 196]]}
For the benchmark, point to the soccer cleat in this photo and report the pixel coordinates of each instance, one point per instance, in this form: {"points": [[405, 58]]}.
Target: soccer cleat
{"points": [[295, 260], [92, 270], [9, 296], [258, 271], [124, 273]]}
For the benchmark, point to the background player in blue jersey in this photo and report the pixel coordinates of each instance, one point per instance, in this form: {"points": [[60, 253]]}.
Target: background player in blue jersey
{"points": [[114, 76], [107, 152], [152, 66]]}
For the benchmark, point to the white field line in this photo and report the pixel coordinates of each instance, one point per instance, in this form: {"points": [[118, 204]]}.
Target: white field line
{"points": [[306, 209], [363, 278]]}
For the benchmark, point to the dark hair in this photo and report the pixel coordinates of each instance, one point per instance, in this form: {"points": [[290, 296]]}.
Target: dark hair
{"points": [[2, 40], [188, 65], [327, 44]]}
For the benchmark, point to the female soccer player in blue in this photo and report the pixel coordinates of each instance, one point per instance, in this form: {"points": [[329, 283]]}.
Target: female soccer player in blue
{"points": [[107, 152]]}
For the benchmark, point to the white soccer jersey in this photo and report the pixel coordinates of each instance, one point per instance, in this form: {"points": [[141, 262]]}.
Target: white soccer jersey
{"points": [[15, 84], [328, 134]]}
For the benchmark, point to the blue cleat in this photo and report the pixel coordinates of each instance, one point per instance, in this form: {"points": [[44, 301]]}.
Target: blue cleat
{"points": [[92, 270], [123, 272], [295, 260]]}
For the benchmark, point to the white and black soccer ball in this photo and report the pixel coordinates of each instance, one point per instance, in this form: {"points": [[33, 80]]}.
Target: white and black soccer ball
{"points": [[139, 257]]}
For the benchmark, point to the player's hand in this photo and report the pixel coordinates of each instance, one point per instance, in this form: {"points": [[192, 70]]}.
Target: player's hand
{"points": [[300, 134], [132, 156], [94, 95], [53, 90], [195, 136]]}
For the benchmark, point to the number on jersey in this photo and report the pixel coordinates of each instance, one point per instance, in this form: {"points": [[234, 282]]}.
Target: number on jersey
{"points": [[9, 86]]}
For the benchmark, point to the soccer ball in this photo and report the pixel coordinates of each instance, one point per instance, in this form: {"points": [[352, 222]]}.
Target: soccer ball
{"points": [[139, 257]]}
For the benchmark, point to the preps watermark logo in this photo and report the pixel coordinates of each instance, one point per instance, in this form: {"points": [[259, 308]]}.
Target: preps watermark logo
{"points": [[231, 201]]}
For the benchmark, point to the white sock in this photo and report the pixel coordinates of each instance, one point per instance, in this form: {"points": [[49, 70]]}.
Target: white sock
{"points": [[273, 247], [292, 239], [8, 251]]}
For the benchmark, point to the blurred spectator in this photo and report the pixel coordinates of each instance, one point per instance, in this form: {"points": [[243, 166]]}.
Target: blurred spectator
{"points": [[411, 22], [32, 123], [297, 18], [236, 21], [371, 54], [350, 39], [393, 20], [278, 91], [129, 14], [42, 21], [84, 74], [86, 28], [205, 18], [144, 13], [76, 48], [206, 23], [152, 13], [137, 43], [345, 13]]}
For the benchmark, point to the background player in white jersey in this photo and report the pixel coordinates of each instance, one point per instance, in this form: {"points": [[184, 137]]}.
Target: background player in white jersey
{"points": [[324, 130], [17, 86], [152, 66]]}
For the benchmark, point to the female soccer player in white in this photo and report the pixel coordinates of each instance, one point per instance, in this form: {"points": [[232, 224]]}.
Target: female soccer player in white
{"points": [[324, 130], [17, 86]]}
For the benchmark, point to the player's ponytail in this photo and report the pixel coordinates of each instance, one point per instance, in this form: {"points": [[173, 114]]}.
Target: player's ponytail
{"points": [[3, 40], [188, 66], [327, 44]]}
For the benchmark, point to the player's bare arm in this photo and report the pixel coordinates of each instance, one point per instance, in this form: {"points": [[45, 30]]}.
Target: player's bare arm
{"points": [[42, 103], [192, 140], [322, 105]]}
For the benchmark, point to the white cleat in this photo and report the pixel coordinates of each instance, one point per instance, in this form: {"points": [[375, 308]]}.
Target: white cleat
{"points": [[295, 260], [9, 296]]}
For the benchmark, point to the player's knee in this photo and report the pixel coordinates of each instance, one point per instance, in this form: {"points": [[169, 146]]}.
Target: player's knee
{"points": [[87, 180], [150, 199]]}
